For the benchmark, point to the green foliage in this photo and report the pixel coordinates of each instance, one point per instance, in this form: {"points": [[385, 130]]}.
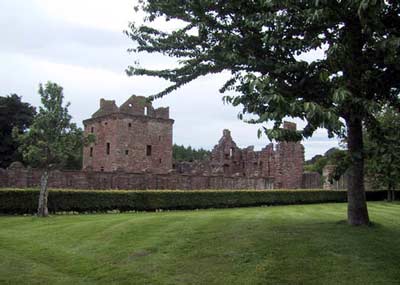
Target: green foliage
{"points": [[262, 43], [333, 156], [13, 114], [25, 201], [318, 165], [52, 141], [182, 153], [383, 150]]}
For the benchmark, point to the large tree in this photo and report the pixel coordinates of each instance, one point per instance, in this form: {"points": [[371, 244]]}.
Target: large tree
{"points": [[13, 113], [262, 43], [52, 140]]}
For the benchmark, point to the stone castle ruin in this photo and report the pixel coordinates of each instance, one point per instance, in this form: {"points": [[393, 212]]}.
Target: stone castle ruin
{"points": [[134, 137], [282, 165], [133, 150]]}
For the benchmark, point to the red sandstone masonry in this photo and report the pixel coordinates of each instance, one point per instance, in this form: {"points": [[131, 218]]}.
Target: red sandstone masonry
{"points": [[133, 150], [23, 178], [26, 177], [133, 138], [283, 165]]}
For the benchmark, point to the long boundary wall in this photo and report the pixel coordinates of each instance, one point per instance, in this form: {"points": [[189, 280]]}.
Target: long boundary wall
{"points": [[26, 177]]}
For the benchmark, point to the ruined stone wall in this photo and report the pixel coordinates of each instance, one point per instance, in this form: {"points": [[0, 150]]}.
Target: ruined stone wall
{"points": [[23, 178], [226, 157], [331, 184], [311, 180], [132, 138], [284, 164], [289, 165]]}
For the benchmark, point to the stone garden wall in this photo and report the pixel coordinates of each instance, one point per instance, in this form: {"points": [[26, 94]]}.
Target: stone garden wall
{"points": [[25, 177]]}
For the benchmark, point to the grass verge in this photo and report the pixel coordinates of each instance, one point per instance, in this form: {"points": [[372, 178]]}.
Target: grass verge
{"points": [[301, 244]]}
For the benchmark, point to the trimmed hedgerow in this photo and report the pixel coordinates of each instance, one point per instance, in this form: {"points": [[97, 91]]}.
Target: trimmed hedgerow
{"points": [[14, 201]]}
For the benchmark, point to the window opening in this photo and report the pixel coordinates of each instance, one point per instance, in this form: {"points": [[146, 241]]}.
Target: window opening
{"points": [[108, 148], [91, 152], [129, 125], [148, 150], [126, 152], [92, 130]]}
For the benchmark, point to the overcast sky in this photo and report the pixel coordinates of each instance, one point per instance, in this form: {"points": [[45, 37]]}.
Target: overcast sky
{"points": [[80, 45]]}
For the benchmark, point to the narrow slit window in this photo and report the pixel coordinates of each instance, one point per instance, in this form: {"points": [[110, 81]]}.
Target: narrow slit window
{"points": [[160, 160], [108, 148], [92, 130], [148, 150], [91, 152], [129, 125], [102, 168], [145, 111], [126, 152]]}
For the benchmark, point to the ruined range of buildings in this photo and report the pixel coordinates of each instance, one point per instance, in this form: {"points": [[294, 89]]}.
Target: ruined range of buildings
{"points": [[133, 150], [136, 138], [282, 165]]}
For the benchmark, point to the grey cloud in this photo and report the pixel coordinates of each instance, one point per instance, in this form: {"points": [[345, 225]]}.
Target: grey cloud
{"points": [[29, 38], [25, 29]]}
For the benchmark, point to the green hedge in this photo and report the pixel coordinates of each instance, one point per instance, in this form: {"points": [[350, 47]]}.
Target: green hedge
{"points": [[25, 201]]}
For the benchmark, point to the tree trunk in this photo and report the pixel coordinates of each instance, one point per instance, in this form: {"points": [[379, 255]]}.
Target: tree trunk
{"points": [[357, 212], [44, 192], [390, 197]]}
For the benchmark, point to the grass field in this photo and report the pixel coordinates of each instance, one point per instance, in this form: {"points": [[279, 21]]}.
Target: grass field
{"points": [[304, 244]]}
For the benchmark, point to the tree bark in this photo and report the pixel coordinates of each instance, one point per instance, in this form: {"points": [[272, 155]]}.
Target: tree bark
{"points": [[357, 212], [390, 198], [44, 192]]}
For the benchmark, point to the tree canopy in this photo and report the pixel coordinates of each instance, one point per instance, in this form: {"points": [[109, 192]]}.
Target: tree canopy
{"points": [[182, 153], [383, 152], [333, 156], [13, 113], [263, 43], [52, 140]]}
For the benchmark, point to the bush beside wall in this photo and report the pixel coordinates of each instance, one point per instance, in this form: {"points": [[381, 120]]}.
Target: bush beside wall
{"points": [[25, 201]]}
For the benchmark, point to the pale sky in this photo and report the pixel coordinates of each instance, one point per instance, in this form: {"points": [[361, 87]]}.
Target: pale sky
{"points": [[80, 45]]}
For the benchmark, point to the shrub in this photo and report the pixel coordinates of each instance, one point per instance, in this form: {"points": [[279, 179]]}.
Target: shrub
{"points": [[14, 201]]}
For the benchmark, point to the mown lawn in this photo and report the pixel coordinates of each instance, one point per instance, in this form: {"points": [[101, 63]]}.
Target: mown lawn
{"points": [[304, 244]]}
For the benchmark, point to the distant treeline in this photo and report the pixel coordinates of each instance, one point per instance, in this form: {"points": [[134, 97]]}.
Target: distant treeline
{"points": [[182, 153]]}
